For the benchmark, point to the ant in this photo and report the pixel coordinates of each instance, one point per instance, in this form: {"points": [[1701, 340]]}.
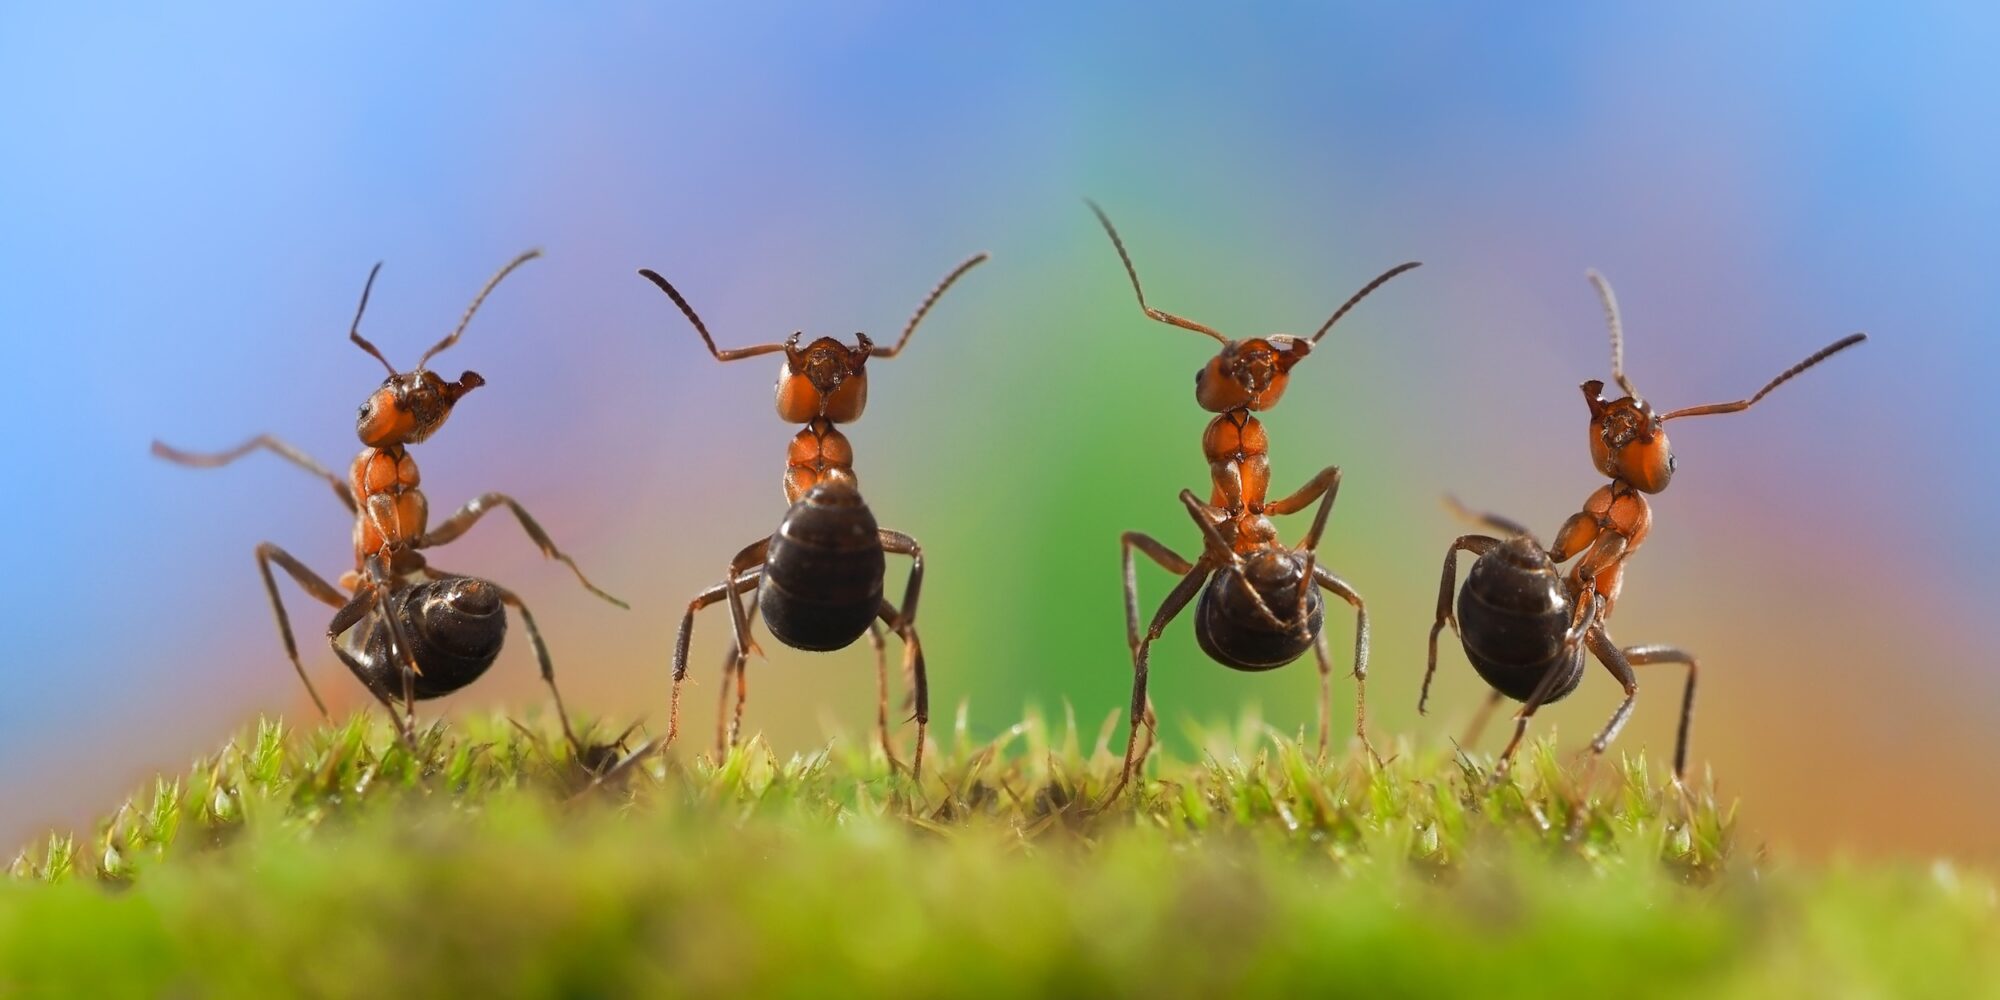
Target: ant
{"points": [[1523, 622], [819, 578], [1258, 608], [406, 629]]}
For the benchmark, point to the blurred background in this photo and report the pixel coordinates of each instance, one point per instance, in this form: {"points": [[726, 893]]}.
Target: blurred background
{"points": [[189, 204]]}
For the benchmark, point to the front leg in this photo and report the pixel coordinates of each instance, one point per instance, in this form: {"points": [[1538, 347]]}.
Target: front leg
{"points": [[468, 515], [296, 456], [751, 555], [369, 599], [1326, 482], [1588, 628]]}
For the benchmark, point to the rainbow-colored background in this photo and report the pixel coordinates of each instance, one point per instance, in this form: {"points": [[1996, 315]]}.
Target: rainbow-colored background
{"points": [[189, 203]]}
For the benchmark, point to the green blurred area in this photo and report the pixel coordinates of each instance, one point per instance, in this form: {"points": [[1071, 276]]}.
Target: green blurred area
{"points": [[338, 864]]}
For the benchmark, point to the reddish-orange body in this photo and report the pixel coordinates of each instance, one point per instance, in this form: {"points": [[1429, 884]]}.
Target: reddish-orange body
{"points": [[393, 512], [1613, 524], [820, 452], [1239, 465]]}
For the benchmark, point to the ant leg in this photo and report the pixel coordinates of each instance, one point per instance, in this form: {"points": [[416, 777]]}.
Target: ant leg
{"points": [[1640, 656], [1479, 718], [739, 622], [311, 583], [734, 667], [902, 544], [1478, 545], [368, 598], [882, 693], [1142, 713], [913, 665], [1614, 660], [1168, 560], [400, 648], [201, 460], [1346, 592], [476, 508], [1589, 624], [1536, 700], [1504, 525], [1325, 658], [727, 588], [1326, 483], [1173, 563], [541, 648], [1223, 556], [1576, 534]]}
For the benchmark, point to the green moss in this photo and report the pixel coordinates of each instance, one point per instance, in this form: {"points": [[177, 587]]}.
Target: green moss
{"points": [[337, 863]]}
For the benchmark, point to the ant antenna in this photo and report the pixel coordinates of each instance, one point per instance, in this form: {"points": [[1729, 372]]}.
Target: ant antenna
{"points": [[930, 300], [1617, 330], [1165, 317], [1743, 404], [474, 307], [699, 327], [1362, 294], [354, 330]]}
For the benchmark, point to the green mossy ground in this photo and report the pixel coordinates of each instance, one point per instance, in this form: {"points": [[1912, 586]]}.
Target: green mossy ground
{"points": [[337, 863]]}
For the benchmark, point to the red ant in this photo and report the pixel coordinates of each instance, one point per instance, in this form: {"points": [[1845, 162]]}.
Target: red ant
{"points": [[1259, 608], [423, 632], [1523, 623], [819, 578]]}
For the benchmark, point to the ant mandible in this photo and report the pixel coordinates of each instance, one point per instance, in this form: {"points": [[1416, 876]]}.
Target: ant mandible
{"points": [[1524, 623], [819, 578], [423, 632], [1259, 608]]}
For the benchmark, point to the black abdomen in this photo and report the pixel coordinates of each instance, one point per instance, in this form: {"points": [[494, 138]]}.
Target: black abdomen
{"points": [[455, 627], [823, 575], [1513, 613], [1234, 632]]}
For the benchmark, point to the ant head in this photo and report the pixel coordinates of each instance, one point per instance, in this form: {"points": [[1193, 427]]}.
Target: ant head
{"points": [[1628, 440], [1249, 374], [410, 406], [824, 379]]}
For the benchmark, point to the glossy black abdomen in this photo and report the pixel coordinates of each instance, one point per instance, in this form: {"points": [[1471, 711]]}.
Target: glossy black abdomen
{"points": [[1235, 633], [455, 627], [1512, 615], [823, 574]]}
